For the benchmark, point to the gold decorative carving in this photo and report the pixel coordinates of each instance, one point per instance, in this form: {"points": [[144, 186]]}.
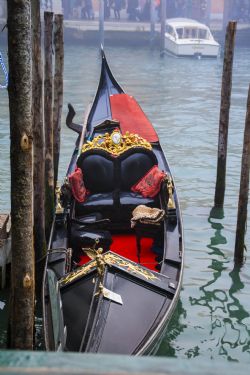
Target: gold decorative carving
{"points": [[59, 208], [170, 187], [98, 257], [113, 259], [98, 261], [81, 271], [109, 142], [110, 259]]}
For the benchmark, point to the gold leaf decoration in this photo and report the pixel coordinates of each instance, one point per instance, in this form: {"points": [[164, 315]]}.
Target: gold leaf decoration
{"points": [[106, 142], [108, 259], [113, 259], [81, 271]]}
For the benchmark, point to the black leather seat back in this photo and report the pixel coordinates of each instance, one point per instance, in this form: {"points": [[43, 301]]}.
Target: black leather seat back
{"points": [[98, 171], [134, 165], [109, 179]]}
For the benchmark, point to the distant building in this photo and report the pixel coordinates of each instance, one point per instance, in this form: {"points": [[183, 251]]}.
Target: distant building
{"points": [[217, 9]]}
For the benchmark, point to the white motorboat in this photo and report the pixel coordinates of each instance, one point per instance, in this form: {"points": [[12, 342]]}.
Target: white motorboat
{"points": [[187, 37]]}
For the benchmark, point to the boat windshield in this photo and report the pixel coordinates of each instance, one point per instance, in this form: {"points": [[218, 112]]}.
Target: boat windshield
{"points": [[192, 33], [170, 30]]}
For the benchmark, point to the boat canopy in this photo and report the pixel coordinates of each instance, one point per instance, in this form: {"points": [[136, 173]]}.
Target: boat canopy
{"points": [[127, 111], [187, 29]]}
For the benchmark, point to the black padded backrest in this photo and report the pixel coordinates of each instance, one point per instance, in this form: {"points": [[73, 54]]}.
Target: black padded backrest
{"points": [[134, 165], [98, 171]]}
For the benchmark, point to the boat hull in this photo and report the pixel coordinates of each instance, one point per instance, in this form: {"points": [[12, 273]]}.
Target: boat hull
{"points": [[110, 284], [192, 49]]}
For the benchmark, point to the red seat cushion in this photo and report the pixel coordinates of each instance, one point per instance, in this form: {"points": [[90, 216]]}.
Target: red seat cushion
{"points": [[78, 188], [150, 184]]}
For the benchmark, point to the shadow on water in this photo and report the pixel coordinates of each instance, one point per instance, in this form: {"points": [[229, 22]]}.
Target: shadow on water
{"points": [[225, 330]]}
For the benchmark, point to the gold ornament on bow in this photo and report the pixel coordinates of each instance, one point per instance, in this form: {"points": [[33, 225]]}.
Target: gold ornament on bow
{"points": [[98, 257]]}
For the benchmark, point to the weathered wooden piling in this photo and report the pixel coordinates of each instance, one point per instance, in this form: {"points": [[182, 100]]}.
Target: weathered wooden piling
{"points": [[22, 277], [163, 26], [244, 191], [48, 121], [224, 114], [58, 90], [38, 134]]}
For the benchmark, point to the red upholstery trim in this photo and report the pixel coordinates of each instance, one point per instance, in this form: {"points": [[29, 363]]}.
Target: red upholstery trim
{"points": [[127, 111]]}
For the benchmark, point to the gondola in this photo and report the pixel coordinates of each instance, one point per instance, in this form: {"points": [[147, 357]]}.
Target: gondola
{"points": [[114, 267]]}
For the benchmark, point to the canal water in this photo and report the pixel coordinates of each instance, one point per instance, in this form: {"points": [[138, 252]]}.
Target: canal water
{"points": [[182, 99]]}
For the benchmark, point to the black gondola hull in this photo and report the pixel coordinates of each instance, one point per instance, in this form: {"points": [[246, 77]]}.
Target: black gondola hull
{"points": [[119, 302]]}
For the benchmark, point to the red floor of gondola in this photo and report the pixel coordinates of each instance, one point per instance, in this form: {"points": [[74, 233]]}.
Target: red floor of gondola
{"points": [[125, 245]]}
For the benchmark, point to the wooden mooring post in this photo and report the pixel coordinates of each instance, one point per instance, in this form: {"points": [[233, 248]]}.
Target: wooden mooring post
{"points": [[38, 134], [48, 122], [20, 88], [58, 90], [224, 114], [244, 191]]}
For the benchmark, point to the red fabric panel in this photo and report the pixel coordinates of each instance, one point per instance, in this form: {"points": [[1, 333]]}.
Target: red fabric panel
{"points": [[127, 111], [77, 185], [150, 184], [125, 245]]}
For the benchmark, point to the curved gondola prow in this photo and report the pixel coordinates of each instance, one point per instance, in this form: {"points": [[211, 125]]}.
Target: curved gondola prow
{"points": [[108, 73], [107, 86]]}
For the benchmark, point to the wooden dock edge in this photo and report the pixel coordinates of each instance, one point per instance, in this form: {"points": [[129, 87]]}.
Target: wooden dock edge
{"points": [[24, 362]]}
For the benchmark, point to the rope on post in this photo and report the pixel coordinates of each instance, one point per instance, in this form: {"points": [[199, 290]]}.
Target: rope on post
{"points": [[5, 73]]}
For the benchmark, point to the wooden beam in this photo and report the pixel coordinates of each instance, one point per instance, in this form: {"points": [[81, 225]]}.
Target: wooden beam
{"points": [[224, 114], [38, 134], [48, 122], [58, 90], [244, 191], [22, 277]]}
